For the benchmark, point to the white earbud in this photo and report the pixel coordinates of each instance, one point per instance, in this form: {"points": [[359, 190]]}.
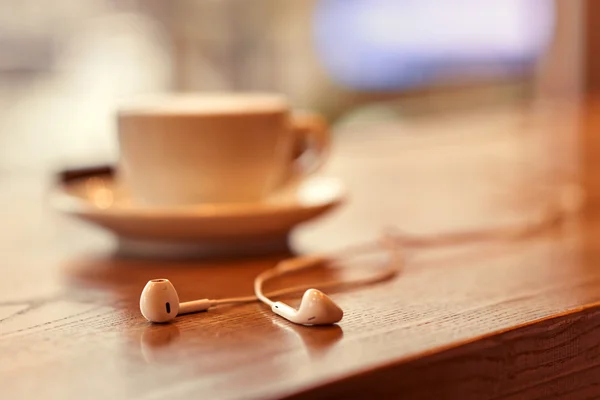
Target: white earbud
{"points": [[316, 308], [159, 302]]}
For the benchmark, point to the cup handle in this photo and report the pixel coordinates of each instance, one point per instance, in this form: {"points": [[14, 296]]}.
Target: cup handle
{"points": [[312, 143]]}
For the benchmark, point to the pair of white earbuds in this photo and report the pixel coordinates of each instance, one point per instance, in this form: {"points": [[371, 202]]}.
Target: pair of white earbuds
{"points": [[159, 301]]}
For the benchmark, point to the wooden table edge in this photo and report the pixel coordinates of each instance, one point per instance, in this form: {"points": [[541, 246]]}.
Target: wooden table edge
{"points": [[380, 380]]}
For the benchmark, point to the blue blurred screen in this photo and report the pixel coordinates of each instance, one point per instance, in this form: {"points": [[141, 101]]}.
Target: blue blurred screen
{"points": [[401, 44]]}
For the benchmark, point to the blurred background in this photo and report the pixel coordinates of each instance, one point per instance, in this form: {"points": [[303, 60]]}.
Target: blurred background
{"points": [[65, 64]]}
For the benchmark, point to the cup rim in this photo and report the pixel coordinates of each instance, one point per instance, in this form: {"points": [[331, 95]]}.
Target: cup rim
{"points": [[202, 103]]}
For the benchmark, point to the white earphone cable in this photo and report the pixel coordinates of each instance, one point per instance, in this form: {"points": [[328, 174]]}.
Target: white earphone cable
{"points": [[152, 305]]}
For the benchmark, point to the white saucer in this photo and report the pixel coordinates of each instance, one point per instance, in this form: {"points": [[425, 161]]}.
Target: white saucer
{"points": [[199, 230]]}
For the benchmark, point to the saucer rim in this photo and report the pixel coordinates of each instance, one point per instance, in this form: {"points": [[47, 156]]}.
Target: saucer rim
{"points": [[68, 203]]}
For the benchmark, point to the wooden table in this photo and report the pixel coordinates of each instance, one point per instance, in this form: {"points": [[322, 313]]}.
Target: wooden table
{"points": [[505, 319]]}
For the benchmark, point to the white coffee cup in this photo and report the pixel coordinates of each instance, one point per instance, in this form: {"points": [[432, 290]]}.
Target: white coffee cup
{"points": [[182, 149]]}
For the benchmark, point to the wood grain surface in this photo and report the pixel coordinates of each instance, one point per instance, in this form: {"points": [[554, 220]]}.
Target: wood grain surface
{"points": [[505, 319]]}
